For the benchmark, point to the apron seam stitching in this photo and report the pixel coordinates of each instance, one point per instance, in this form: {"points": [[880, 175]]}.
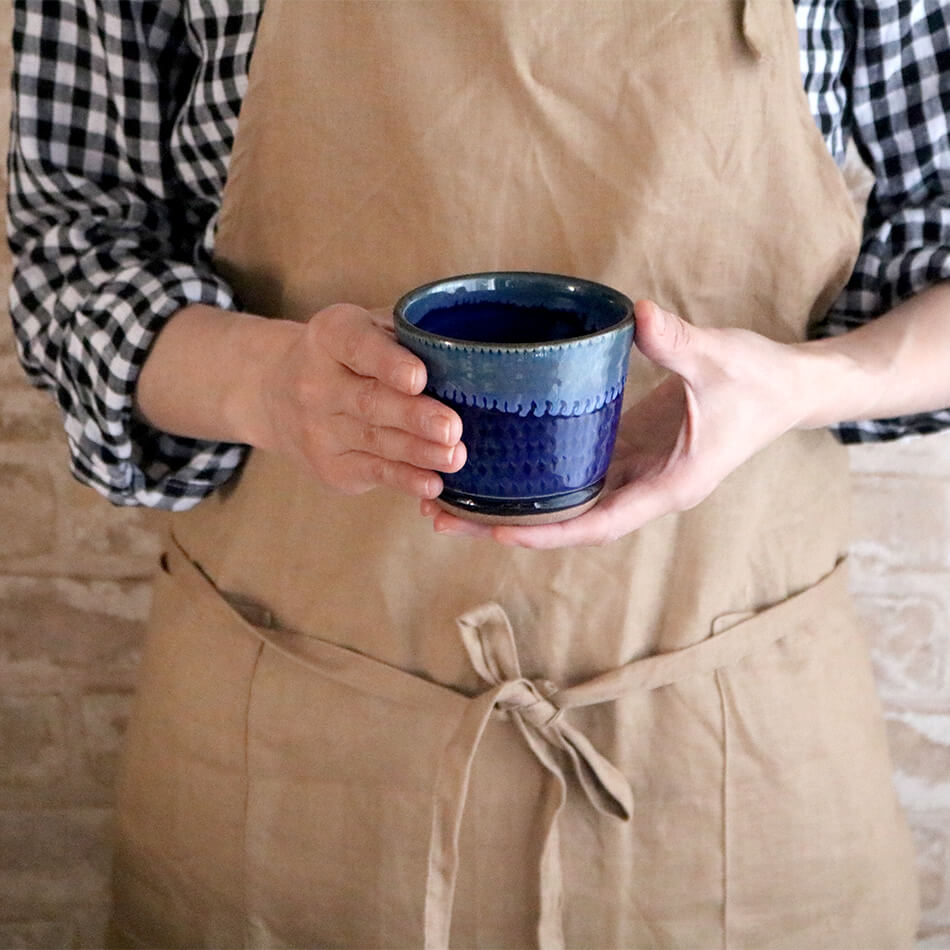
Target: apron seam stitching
{"points": [[724, 802], [245, 893]]}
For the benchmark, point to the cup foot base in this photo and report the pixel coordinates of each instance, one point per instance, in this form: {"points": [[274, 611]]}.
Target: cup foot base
{"points": [[511, 512]]}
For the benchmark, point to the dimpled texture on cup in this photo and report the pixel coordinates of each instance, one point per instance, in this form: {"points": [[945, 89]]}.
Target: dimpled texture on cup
{"points": [[534, 455]]}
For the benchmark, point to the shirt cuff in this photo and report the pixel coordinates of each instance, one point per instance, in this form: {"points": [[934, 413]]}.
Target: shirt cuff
{"points": [[876, 286], [112, 449]]}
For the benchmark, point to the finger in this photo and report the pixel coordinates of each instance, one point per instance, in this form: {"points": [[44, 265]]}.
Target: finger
{"points": [[618, 514], [666, 339], [360, 472], [447, 524], [354, 340], [396, 444], [383, 318], [373, 402]]}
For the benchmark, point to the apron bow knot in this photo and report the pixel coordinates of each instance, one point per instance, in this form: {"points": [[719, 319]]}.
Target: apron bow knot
{"points": [[531, 704], [536, 708]]}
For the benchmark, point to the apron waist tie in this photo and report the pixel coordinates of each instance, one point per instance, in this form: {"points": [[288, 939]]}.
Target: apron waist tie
{"points": [[536, 709]]}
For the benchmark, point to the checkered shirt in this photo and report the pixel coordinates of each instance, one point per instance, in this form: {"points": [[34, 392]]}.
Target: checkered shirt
{"points": [[124, 113]]}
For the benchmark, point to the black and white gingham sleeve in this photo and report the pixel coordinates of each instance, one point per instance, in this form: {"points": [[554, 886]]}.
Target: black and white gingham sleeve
{"points": [[109, 239], [899, 81]]}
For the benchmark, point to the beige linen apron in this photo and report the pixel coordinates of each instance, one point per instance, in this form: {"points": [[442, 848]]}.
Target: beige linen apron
{"points": [[352, 732]]}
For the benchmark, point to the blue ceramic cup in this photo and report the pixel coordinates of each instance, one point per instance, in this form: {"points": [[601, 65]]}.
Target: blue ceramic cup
{"points": [[535, 365]]}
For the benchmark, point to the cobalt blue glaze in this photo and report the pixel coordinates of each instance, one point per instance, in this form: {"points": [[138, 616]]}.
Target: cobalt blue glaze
{"points": [[532, 463], [535, 365]]}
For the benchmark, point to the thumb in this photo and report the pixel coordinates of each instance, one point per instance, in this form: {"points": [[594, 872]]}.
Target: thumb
{"points": [[666, 339], [382, 317]]}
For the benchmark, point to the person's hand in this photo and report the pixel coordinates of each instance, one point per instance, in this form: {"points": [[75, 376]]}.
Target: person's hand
{"points": [[730, 393], [344, 398]]}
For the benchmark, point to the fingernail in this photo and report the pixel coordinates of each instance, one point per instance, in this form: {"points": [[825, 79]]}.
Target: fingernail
{"points": [[441, 457], [404, 378], [438, 429]]}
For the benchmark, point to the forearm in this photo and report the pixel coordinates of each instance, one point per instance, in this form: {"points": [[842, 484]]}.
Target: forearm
{"points": [[895, 365], [205, 373], [337, 394]]}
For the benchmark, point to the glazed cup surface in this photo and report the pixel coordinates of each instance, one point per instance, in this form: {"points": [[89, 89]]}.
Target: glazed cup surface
{"points": [[535, 366]]}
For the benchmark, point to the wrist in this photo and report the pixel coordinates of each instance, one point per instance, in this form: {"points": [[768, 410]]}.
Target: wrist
{"points": [[207, 374], [834, 386], [893, 365], [258, 351]]}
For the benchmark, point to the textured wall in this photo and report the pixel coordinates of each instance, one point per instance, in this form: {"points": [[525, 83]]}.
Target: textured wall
{"points": [[74, 593]]}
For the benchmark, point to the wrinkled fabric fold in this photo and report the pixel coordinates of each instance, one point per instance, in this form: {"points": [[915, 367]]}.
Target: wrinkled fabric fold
{"points": [[756, 26]]}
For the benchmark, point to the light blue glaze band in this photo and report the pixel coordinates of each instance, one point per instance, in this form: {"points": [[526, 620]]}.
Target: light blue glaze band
{"points": [[565, 378]]}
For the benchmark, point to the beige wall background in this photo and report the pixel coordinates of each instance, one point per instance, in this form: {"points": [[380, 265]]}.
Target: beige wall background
{"points": [[74, 594]]}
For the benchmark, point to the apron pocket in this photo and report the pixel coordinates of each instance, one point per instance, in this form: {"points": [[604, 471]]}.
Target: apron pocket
{"points": [[817, 853], [339, 755], [179, 842], [339, 808]]}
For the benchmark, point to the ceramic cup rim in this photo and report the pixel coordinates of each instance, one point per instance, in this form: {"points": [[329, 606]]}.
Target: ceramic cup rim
{"points": [[560, 281]]}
